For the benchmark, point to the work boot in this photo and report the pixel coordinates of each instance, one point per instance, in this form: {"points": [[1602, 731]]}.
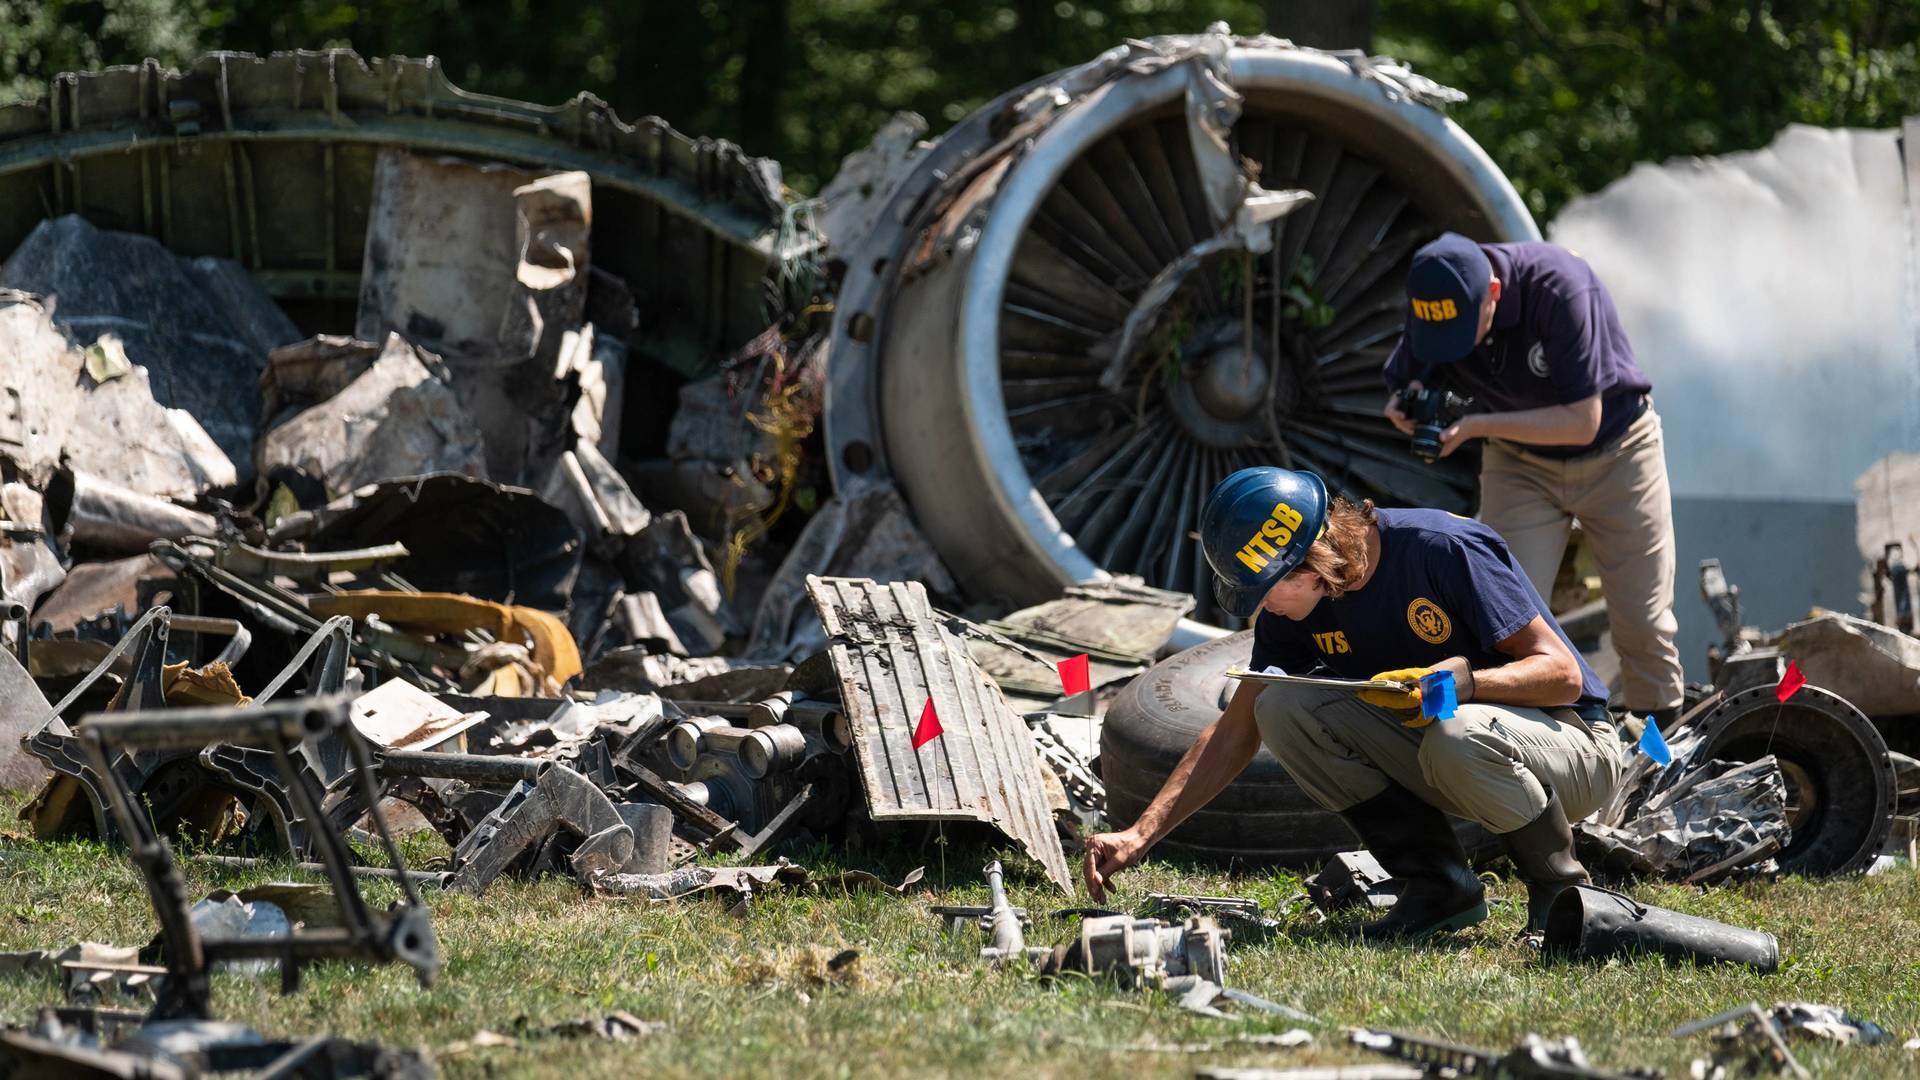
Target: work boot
{"points": [[1542, 854], [1414, 843]]}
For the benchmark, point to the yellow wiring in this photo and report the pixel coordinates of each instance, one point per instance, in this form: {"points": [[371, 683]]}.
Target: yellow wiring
{"points": [[789, 419]]}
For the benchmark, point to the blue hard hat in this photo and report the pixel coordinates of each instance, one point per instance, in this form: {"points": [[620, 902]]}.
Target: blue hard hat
{"points": [[1255, 528]]}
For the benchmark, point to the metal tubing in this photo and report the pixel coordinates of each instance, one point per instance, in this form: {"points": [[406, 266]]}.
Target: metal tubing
{"points": [[371, 873], [1009, 941], [191, 729], [478, 768]]}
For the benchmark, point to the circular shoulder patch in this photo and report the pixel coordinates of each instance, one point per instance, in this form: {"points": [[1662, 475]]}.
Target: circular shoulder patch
{"points": [[1428, 621], [1537, 359]]}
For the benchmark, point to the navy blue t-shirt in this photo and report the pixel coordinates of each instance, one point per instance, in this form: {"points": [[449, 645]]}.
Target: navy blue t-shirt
{"points": [[1446, 586], [1556, 339]]}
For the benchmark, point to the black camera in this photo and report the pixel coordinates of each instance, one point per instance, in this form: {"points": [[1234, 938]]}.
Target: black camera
{"points": [[1432, 412]]}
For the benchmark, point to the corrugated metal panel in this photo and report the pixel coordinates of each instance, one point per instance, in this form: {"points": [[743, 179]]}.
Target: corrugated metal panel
{"points": [[892, 653]]}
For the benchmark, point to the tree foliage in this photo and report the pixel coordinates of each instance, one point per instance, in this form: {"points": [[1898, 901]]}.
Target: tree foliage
{"points": [[1565, 94]]}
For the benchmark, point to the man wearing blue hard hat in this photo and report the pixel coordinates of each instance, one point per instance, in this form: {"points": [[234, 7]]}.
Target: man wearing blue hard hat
{"points": [[1395, 595], [1528, 332]]}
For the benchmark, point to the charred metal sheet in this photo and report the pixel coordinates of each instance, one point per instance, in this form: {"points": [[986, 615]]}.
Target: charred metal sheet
{"points": [[592, 492], [1876, 668], [30, 565], [667, 559], [94, 589], [702, 678], [457, 251], [1120, 624], [400, 417], [116, 430], [22, 710], [1117, 615], [200, 328], [486, 265], [306, 373], [893, 655], [462, 535]]}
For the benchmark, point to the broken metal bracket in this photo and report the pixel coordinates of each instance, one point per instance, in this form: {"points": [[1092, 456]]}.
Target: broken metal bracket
{"points": [[324, 658], [404, 934], [55, 743], [557, 799]]}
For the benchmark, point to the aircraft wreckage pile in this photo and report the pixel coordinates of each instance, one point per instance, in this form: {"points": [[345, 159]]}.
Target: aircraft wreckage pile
{"points": [[468, 568]]}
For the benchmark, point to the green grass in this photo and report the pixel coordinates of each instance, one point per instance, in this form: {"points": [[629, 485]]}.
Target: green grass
{"points": [[748, 995]]}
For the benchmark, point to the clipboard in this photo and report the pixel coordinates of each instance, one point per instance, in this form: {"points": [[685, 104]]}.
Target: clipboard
{"points": [[1355, 685]]}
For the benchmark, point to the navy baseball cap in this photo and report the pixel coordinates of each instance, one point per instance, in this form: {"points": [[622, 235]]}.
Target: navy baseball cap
{"points": [[1446, 286]]}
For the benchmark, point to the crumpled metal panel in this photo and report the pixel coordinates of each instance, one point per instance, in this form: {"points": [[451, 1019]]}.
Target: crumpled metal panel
{"points": [[892, 653], [1734, 819]]}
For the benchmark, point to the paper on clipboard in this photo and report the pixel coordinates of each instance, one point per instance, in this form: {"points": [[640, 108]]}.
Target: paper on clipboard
{"points": [[1275, 675]]}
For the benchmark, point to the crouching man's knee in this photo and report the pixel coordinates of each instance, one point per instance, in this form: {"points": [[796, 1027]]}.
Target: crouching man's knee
{"points": [[1480, 775], [1285, 718]]}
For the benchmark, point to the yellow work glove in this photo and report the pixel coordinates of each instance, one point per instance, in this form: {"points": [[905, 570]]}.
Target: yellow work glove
{"points": [[1400, 700]]}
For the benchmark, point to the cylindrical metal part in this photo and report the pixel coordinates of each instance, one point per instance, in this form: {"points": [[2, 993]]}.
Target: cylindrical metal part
{"points": [[1003, 922], [772, 749], [732, 710], [1592, 924], [112, 518], [772, 710], [186, 729], [689, 737], [837, 731], [372, 873], [476, 768]]}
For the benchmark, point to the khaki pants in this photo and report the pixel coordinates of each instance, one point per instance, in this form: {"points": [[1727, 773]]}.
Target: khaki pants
{"points": [[1619, 495], [1490, 764]]}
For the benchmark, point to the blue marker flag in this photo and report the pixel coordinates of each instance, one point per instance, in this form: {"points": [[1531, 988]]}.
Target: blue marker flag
{"points": [[1654, 744], [1437, 698]]}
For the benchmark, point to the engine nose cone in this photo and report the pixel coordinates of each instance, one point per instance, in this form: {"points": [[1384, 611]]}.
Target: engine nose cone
{"points": [[1231, 384]]}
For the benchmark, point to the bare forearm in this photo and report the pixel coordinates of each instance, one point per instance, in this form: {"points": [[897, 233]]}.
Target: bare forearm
{"points": [[1543, 681], [1218, 755], [1551, 425]]}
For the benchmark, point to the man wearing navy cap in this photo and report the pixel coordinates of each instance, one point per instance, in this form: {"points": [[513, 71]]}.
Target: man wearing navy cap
{"points": [[1529, 332]]}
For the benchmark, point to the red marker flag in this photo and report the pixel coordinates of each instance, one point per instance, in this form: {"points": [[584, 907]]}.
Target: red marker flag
{"points": [[1790, 683], [929, 727], [1074, 678]]}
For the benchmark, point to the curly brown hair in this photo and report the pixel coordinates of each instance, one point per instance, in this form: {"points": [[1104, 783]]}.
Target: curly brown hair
{"points": [[1339, 556]]}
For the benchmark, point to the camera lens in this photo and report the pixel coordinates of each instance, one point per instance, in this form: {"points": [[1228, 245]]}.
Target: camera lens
{"points": [[1426, 442]]}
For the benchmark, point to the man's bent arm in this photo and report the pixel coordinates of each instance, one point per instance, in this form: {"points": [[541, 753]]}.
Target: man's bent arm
{"points": [[1550, 425], [1543, 673]]}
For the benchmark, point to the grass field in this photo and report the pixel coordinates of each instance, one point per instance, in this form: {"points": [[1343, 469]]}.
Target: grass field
{"points": [[752, 996]]}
